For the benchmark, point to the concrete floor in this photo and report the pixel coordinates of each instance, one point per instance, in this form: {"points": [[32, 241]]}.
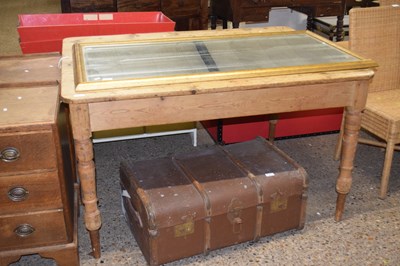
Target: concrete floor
{"points": [[368, 235]]}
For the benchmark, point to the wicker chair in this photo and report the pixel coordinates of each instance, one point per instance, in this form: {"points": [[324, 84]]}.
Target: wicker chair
{"points": [[375, 33]]}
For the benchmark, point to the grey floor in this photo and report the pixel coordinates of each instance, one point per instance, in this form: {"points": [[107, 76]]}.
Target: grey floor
{"points": [[369, 234]]}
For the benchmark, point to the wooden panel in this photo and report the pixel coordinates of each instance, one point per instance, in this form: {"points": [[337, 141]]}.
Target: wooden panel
{"points": [[188, 14], [93, 5], [40, 192], [179, 8], [322, 11], [35, 107], [109, 115], [48, 228], [255, 14], [255, 3], [29, 70], [138, 5]]}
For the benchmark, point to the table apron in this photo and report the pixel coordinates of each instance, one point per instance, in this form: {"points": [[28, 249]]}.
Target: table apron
{"points": [[199, 107]]}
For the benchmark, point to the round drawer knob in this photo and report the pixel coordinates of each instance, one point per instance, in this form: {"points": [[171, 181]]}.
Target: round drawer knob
{"points": [[24, 230], [9, 154], [18, 194]]}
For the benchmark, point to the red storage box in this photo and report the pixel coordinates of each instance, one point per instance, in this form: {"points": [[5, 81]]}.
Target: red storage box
{"points": [[45, 32], [289, 124]]}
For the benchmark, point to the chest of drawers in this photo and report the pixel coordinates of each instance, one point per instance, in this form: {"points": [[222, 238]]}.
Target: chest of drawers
{"points": [[37, 176]]}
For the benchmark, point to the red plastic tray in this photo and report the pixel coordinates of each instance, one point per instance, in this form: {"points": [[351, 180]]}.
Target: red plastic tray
{"points": [[45, 32]]}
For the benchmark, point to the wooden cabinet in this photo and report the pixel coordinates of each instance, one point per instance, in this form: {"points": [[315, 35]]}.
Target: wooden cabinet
{"points": [[38, 205], [188, 14], [258, 10]]}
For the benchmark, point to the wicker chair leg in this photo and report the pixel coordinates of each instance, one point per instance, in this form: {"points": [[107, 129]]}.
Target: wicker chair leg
{"points": [[338, 149], [387, 165]]}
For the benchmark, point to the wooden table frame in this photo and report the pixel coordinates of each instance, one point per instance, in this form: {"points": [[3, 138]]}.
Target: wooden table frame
{"points": [[106, 109]]}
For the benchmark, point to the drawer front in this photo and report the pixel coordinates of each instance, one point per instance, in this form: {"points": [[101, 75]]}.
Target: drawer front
{"points": [[24, 231], [181, 8], [26, 152], [138, 5], [33, 192]]}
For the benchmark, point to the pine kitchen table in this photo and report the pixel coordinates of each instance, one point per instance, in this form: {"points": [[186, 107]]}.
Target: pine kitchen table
{"points": [[126, 81]]}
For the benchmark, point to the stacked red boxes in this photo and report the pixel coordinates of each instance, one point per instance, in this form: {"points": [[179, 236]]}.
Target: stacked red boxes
{"points": [[241, 129]]}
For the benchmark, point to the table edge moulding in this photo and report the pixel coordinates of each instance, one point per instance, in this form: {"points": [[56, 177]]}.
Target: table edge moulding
{"points": [[111, 104]]}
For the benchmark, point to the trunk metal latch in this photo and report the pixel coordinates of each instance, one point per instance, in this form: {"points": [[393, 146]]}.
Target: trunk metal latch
{"points": [[234, 215]]}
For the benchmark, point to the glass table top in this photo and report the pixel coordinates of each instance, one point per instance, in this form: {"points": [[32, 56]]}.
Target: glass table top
{"points": [[121, 61]]}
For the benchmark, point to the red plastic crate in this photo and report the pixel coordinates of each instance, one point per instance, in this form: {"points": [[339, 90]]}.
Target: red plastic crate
{"points": [[41, 46], [289, 124], [45, 32]]}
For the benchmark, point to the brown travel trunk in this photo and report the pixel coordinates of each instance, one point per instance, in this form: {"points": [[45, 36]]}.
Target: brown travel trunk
{"points": [[192, 203]]}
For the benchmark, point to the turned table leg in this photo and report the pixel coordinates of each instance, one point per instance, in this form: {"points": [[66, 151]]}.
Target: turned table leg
{"points": [[349, 145], [80, 121]]}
